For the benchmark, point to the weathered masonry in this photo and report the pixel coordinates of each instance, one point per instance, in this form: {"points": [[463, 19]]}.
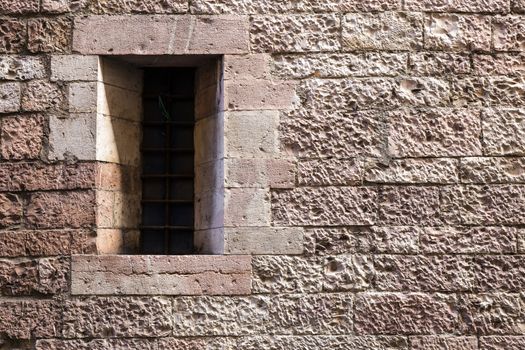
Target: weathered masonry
{"points": [[241, 174]]}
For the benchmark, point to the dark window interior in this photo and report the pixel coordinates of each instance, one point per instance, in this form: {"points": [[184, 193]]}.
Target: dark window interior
{"points": [[167, 161]]}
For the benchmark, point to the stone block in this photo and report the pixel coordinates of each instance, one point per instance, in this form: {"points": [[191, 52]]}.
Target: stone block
{"points": [[438, 63], [21, 68], [401, 313], [438, 342], [263, 240], [472, 240], [117, 317], [209, 139], [273, 173], [12, 35], [503, 132], [483, 205], [246, 207], [73, 137], [25, 319], [160, 275], [446, 273], [74, 67], [382, 31], [330, 172], [40, 95], [61, 209], [59, 6], [518, 6], [435, 132], [326, 206], [22, 137], [336, 65], [502, 342], [9, 97], [12, 243], [489, 314], [343, 136], [391, 240], [258, 94], [499, 273], [295, 33], [247, 67], [313, 342], [138, 6], [490, 6], [492, 170], [19, 8], [348, 273], [118, 140], [507, 33], [499, 64], [409, 205], [453, 32], [82, 97], [412, 171], [251, 134], [35, 176], [49, 35], [153, 35]]}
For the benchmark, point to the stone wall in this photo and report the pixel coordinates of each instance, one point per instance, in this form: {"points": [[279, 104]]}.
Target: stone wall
{"points": [[373, 181]]}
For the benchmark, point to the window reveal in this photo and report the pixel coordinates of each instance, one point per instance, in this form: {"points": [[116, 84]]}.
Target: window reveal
{"points": [[167, 149]]}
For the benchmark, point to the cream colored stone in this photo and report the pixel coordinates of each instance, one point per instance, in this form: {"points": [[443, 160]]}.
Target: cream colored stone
{"points": [[246, 207], [273, 173], [120, 103], [244, 67], [209, 241], [257, 94], [209, 139], [117, 141], [83, 97], [263, 240], [74, 67], [209, 209], [73, 137], [120, 74]]}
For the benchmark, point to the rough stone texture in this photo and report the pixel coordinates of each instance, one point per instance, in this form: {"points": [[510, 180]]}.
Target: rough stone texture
{"points": [[416, 133], [12, 35], [438, 63], [136, 6], [323, 342], [19, 7], [382, 31], [21, 68], [136, 275], [41, 95], [431, 170], [330, 172], [339, 65], [499, 64], [405, 313], [61, 209], [508, 33], [22, 137], [49, 35], [492, 170], [10, 94], [457, 32], [11, 213], [409, 205], [25, 319], [331, 206], [306, 33], [443, 342], [494, 6], [502, 342], [263, 240], [503, 131], [117, 317]]}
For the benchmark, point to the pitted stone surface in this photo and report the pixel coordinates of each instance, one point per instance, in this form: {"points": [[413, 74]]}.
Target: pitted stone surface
{"points": [[457, 32], [21, 68], [430, 170], [443, 342], [503, 131], [438, 63], [327, 172]]}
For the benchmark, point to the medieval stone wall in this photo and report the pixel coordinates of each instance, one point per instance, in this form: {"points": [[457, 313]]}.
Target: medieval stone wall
{"points": [[374, 177]]}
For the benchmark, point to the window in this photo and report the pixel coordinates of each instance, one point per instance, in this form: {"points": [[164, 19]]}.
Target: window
{"points": [[167, 153]]}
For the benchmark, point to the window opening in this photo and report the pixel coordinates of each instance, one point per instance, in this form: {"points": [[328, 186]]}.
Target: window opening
{"points": [[167, 150]]}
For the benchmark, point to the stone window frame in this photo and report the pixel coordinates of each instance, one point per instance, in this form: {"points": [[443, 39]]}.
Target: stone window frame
{"points": [[244, 153]]}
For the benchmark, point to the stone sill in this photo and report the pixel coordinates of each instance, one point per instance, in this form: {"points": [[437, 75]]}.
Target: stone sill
{"points": [[160, 275]]}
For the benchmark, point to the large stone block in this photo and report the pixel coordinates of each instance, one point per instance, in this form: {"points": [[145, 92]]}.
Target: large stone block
{"points": [[435, 132], [405, 313], [12, 243], [492, 170], [330, 172], [502, 342], [483, 205], [319, 134], [473, 240], [273, 173], [74, 67], [507, 33], [154, 35], [410, 171], [49, 35], [496, 91], [457, 32], [82, 97], [263, 240], [330, 206], [246, 207], [316, 342], [39, 95], [165, 343], [11, 210], [292, 33], [258, 94], [500, 273], [21, 68], [499, 64], [10, 97], [102, 317], [382, 31], [12, 35], [19, 7], [22, 137], [73, 137], [138, 6], [26, 319], [60, 6], [503, 132], [61, 209], [447, 273], [442, 342], [438, 63], [245, 67], [494, 6], [409, 205], [339, 65], [518, 6], [490, 314]]}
